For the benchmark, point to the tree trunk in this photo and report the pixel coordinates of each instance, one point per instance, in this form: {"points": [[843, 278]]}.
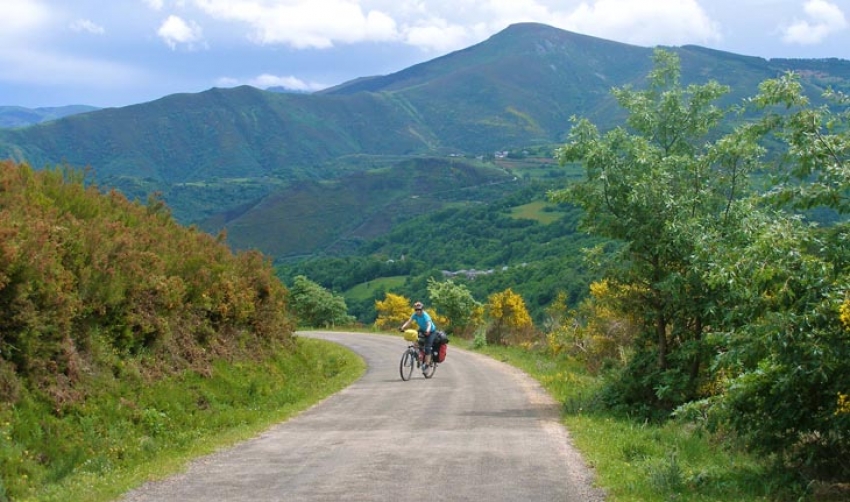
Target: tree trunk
{"points": [[661, 333], [697, 362]]}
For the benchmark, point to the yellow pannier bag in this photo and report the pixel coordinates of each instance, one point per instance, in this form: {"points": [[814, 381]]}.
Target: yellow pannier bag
{"points": [[411, 335]]}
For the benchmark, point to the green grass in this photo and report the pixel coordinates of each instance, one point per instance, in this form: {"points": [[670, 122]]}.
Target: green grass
{"points": [[537, 211], [130, 434], [639, 461], [367, 290]]}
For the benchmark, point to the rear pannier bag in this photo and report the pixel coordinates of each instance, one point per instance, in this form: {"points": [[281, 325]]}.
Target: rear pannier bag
{"points": [[441, 354]]}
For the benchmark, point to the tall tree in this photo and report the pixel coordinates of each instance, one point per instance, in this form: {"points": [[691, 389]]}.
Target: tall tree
{"points": [[785, 358], [657, 185]]}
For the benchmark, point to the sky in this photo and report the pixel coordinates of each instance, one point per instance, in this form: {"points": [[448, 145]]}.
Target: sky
{"points": [[112, 53]]}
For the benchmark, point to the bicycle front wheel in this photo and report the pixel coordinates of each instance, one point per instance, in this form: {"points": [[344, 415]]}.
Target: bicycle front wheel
{"points": [[429, 371], [405, 367]]}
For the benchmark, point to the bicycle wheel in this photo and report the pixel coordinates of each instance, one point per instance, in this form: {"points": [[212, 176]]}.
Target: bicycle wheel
{"points": [[405, 367], [429, 372]]}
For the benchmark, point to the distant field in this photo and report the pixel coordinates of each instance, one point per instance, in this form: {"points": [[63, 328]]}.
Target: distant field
{"points": [[536, 211], [367, 290], [540, 168]]}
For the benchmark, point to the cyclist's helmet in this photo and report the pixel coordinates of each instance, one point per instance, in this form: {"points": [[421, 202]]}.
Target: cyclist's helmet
{"points": [[417, 305]]}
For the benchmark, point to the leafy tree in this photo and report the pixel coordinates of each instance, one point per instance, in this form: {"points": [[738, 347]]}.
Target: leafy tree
{"points": [[657, 185], [392, 311], [784, 350], [455, 301], [316, 306], [815, 170], [740, 302], [509, 318]]}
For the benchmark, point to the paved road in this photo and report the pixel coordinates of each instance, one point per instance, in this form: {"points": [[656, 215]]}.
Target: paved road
{"points": [[478, 431]]}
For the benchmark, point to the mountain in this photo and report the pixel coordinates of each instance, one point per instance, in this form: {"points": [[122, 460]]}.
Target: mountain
{"points": [[17, 116], [237, 158]]}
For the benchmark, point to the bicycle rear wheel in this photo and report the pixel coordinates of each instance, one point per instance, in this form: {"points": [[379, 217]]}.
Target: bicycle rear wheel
{"points": [[405, 367]]}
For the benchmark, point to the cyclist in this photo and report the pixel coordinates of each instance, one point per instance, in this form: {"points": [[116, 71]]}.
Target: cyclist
{"points": [[427, 330]]}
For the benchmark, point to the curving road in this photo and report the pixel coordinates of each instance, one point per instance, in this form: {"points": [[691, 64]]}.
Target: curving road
{"points": [[479, 430]]}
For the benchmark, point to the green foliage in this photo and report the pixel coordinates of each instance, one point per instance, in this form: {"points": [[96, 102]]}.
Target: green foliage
{"points": [[96, 291], [315, 306], [76, 263], [740, 304], [599, 332], [456, 303], [539, 211], [356, 206], [816, 171], [658, 186], [522, 254], [785, 354]]}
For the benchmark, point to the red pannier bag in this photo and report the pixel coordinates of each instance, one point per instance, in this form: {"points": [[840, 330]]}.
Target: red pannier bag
{"points": [[441, 354]]}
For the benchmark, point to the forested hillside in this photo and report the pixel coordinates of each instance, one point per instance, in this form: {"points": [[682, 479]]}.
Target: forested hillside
{"points": [[485, 246], [344, 212]]}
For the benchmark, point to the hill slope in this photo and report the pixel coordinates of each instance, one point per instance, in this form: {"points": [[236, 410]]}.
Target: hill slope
{"points": [[226, 152], [17, 116]]}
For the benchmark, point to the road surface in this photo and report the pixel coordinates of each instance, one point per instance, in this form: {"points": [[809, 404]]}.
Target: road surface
{"points": [[478, 431]]}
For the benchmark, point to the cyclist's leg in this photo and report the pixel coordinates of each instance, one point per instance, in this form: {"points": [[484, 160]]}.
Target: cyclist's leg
{"points": [[421, 343], [429, 346]]}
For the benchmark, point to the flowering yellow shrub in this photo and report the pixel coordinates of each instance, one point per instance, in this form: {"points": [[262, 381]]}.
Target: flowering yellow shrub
{"points": [[392, 311], [844, 314], [510, 318], [599, 329], [843, 404]]}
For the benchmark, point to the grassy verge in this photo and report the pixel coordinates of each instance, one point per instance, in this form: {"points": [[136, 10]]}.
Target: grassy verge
{"points": [[638, 461], [130, 434]]}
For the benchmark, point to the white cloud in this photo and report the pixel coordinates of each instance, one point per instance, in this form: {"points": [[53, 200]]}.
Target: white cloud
{"points": [[823, 19], [443, 25], [84, 25], [304, 24], [436, 35], [175, 30], [22, 17], [154, 4], [454, 24], [266, 80], [294, 83], [666, 22]]}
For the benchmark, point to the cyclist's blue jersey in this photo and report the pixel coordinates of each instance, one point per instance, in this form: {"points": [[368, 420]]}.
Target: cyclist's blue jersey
{"points": [[424, 320]]}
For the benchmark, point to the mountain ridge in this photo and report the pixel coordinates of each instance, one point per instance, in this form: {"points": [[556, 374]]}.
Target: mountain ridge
{"points": [[19, 116], [217, 155]]}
